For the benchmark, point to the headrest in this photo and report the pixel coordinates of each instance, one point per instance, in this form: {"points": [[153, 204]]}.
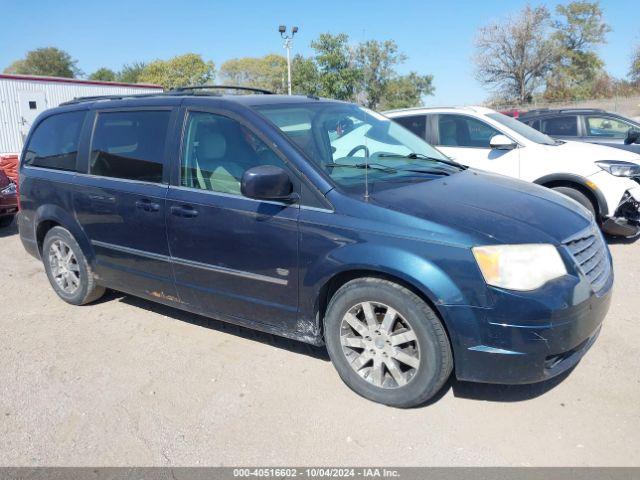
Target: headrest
{"points": [[211, 145]]}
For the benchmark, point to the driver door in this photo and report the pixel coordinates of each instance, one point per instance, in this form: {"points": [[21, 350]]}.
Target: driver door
{"points": [[465, 139]]}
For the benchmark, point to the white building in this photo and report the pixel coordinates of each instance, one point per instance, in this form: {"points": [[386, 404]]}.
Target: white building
{"points": [[23, 97]]}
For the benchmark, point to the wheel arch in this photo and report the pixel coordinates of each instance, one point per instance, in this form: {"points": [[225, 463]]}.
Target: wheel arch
{"points": [[49, 216], [579, 183]]}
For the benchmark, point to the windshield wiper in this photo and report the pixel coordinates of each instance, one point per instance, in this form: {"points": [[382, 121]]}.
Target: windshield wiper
{"points": [[370, 166], [420, 156]]}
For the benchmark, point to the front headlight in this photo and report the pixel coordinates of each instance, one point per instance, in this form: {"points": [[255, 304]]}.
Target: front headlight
{"points": [[9, 189], [620, 168], [519, 267]]}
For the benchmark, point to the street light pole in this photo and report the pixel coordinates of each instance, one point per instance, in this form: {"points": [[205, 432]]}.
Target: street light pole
{"points": [[287, 42]]}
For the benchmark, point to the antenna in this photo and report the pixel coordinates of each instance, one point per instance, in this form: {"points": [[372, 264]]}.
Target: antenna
{"points": [[366, 147]]}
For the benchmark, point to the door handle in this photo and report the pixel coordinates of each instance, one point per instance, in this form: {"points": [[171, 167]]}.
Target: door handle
{"points": [[147, 205], [184, 211]]}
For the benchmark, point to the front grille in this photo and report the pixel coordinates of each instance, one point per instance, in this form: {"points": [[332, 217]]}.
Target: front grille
{"points": [[591, 255]]}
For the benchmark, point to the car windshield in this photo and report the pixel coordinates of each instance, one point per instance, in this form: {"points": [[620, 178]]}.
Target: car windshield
{"points": [[522, 129], [349, 142]]}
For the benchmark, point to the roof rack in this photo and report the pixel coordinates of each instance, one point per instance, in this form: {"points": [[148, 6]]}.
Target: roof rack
{"points": [[174, 91], [220, 87], [541, 111]]}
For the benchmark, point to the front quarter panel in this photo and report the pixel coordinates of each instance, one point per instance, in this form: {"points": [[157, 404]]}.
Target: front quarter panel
{"points": [[332, 244]]}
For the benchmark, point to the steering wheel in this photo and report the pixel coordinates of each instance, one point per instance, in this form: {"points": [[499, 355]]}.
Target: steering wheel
{"points": [[358, 148]]}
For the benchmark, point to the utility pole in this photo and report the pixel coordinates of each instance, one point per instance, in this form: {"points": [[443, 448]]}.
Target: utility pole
{"points": [[287, 42]]}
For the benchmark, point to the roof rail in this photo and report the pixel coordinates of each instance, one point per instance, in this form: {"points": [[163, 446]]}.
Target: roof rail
{"points": [[174, 91], [220, 87], [95, 98]]}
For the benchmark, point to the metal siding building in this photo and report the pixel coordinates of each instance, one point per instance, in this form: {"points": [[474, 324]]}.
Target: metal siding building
{"points": [[24, 97]]}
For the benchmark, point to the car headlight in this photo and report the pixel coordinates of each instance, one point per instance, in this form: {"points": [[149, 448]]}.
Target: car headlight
{"points": [[519, 267], [9, 189], [620, 168]]}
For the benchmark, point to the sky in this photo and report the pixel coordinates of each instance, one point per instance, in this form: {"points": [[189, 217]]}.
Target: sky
{"points": [[437, 36]]}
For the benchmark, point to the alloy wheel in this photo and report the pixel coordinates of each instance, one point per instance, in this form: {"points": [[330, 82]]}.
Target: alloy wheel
{"points": [[380, 345], [64, 267]]}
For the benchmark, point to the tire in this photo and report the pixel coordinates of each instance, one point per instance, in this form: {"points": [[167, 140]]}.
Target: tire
{"points": [[405, 384], [578, 196], [6, 221], [74, 273]]}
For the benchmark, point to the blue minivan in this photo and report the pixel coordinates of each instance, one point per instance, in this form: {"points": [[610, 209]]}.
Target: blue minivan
{"points": [[320, 221]]}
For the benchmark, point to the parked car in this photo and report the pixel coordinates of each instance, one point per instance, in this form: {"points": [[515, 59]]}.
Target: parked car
{"points": [[319, 221], [586, 125], [604, 180], [8, 200]]}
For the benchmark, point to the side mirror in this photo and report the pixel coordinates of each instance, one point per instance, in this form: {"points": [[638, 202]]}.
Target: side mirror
{"points": [[633, 136], [267, 182], [502, 142]]}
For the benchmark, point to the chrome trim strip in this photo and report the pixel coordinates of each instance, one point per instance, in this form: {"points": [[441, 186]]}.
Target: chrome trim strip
{"points": [[191, 263], [132, 251], [229, 195], [230, 271]]}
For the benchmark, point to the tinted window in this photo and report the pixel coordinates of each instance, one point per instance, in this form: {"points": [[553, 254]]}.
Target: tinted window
{"points": [[54, 143], [607, 127], [560, 126], [130, 145], [416, 124], [218, 150], [463, 131]]}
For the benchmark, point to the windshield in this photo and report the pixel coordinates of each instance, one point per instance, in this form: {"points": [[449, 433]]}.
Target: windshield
{"points": [[522, 129], [349, 142]]}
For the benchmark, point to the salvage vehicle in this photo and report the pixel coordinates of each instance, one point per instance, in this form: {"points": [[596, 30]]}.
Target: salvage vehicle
{"points": [[604, 180], [320, 221], [8, 200], [586, 125]]}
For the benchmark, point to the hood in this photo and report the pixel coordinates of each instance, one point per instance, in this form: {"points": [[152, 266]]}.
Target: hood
{"points": [[500, 209], [583, 151]]}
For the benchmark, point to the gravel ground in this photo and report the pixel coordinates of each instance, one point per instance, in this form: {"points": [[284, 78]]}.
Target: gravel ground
{"points": [[128, 382]]}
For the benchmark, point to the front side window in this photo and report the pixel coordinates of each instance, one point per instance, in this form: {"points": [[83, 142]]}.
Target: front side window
{"points": [[607, 127], [54, 143], [353, 145], [417, 124], [560, 126], [130, 145], [463, 131], [217, 150]]}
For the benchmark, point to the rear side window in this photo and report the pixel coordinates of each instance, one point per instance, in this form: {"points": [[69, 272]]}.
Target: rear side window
{"points": [[130, 145], [464, 131], [54, 143], [560, 126], [415, 123]]}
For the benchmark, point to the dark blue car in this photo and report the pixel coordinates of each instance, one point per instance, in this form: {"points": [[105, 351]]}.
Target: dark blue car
{"points": [[320, 221]]}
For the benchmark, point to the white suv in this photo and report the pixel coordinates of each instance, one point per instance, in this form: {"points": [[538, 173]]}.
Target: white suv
{"points": [[605, 180]]}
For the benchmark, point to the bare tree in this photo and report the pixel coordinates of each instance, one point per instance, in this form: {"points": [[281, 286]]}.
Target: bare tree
{"points": [[513, 57]]}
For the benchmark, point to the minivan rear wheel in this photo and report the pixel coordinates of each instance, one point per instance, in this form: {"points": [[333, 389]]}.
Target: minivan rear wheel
{"points": [[67, 268], [386, 343]]}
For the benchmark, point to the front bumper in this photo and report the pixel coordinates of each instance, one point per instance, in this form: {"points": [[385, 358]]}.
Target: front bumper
{"points": [[527, 337], [626, 219]]}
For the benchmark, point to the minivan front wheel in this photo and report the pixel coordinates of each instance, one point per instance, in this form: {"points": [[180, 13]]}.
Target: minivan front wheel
{"points": [[67, 268], [386, 343]]}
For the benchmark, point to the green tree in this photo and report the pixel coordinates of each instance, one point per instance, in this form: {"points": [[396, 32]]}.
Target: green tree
{"points": [[182, 70], [269, 72], [513, 57], [579, 29], [376, 62], [338, 77], [103, 74], [131, 72], [406, 91], [305, 77], [49, 61], [634, 73]]}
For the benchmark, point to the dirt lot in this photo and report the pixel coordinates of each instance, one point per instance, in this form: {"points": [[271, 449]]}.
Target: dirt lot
{"points": [[128, 382]]}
